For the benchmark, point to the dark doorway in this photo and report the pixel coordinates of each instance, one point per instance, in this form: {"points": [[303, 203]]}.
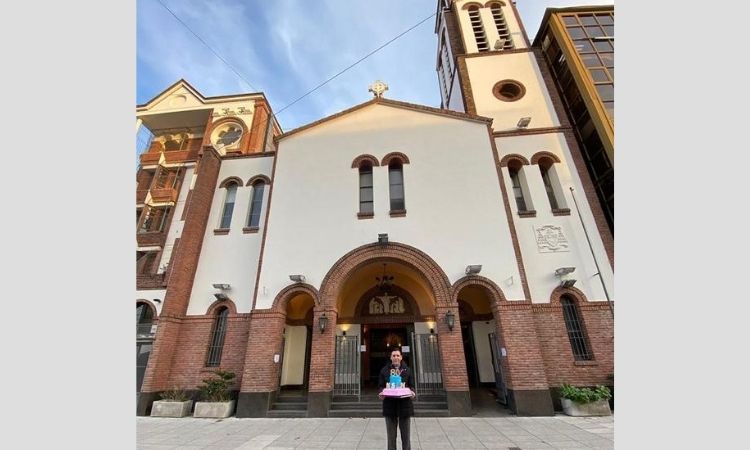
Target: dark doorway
{"points": [[469, 354], [380, 339]]}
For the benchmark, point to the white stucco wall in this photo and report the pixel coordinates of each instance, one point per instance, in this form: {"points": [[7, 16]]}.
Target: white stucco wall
{"points": [[150, 295], [453, 199], [231, 258], [540, 266], [293, 366], [485, 72]]}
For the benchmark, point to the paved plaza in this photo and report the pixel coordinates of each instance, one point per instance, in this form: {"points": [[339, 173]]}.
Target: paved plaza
{"points": [[524, 433]]}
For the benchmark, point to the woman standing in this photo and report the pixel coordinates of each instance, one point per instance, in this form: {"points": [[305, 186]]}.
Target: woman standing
{"points": [[397, 411]]}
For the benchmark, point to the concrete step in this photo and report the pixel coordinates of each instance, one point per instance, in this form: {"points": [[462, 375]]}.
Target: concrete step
{"points": [[289, 406], [276, 413], [379, 413]]}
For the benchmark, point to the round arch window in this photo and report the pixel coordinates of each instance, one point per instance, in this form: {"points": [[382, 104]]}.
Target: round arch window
{"points": [[508, 90], [227, 135]]}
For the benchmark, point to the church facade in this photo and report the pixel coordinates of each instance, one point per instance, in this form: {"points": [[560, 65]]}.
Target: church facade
{"points": [[463, 234]]}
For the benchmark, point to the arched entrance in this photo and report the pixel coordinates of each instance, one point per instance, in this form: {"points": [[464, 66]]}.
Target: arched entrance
{"points": [[413, 305], [478, 299]]}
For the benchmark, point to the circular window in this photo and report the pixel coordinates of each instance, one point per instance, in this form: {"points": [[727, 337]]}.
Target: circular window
{"points": [[508, 90], [227, 135]]}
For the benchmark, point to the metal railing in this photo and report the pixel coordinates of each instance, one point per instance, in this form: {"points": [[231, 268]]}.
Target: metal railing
{"points": [[347, 366], [428, 374]]}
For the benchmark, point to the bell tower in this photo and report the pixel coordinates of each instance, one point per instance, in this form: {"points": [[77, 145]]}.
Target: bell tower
{"points": [[486, 66]]}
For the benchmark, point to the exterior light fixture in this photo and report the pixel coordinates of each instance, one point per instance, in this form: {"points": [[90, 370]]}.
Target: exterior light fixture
{"points": [[523, 122], [222, 286], [322, 322], [450, 319], [343, 334], [297, 278], [382, 238], [432, 331], [563, 273], [221, 296], [473, 269]]}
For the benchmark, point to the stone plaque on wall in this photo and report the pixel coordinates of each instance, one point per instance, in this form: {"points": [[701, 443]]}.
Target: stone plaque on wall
{"points": [[550, 238]]}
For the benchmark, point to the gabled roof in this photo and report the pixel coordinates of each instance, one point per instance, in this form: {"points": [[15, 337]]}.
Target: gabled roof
{"points": [[394, 104], [181, 84]]}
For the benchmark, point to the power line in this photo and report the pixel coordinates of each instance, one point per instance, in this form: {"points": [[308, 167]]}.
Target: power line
{"points": [[316, 87]]}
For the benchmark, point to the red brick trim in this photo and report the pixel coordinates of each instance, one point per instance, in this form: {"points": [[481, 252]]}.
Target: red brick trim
{"points": [[393, 156], [219, 231], [248, 230], [212, 309], [365, 158], [518, 84], [367, 215], [513, 156], [463, 77], [561, 212], [576, 294], [150, 305], [280, 302], [544, 154], [226, 181], [493, 290], [256, 178], [470, 4], [490, 3], [393, 251], [188, 197], [529, 131], [397, 213], [527, 213]]}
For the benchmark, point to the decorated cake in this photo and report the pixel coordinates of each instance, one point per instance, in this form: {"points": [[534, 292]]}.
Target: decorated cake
{"points": [[395, 387]]}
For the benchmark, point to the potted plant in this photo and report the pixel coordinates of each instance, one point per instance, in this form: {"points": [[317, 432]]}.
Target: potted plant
{"points": [[577, 401], [174, 403], [216, 400]]}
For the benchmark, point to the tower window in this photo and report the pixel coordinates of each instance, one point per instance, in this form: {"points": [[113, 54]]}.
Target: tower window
{"points": [[478, 29], [502, 27], [508, 90]]}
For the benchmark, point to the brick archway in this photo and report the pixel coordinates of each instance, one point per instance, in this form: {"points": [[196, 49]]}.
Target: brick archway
{"points": [[450, 341]]}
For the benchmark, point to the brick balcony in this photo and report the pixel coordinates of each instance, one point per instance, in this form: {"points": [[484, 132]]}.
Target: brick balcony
{"points": [[150, 281], [150, 239], [149, 158], [162, 195]]}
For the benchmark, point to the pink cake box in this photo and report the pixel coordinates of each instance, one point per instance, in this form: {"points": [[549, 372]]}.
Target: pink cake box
{"points": [[397, 392]]}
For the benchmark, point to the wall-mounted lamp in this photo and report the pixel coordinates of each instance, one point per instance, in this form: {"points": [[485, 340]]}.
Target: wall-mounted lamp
{"points": [[221, 296], [322, 322], [343, 334], [450, 319], [473, 269], [297, 278], [523, 122], [382, 238], [563, 273], [432, 331], [222, 286]]}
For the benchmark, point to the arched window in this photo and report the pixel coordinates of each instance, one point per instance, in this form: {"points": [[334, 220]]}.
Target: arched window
{"points": [[256, 204], [218, 332], [551, 182], [396, 186], [520, 191], [478, 28], [226, 213], [144, 317], [502, 27], [577, 335], [366, 205]]}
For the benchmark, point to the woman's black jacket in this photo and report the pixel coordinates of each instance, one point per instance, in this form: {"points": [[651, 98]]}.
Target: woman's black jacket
{"points": [[397, 407]]}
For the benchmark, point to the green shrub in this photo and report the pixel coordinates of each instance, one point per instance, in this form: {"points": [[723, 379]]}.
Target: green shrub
{"points": [[217, 389], [174, 395], [585, 395]]}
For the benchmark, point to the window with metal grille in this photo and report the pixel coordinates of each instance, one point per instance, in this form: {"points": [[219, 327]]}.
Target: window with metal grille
{"points": [[517, 190], [502, 27], [576, 334], [226, 214], [544, 167], [396, 184], [365, 189], [476, 26], [256, 204], [218, 333]]}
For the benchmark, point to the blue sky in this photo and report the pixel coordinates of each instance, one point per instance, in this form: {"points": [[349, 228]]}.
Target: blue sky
{"points": [[284, 48]]}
